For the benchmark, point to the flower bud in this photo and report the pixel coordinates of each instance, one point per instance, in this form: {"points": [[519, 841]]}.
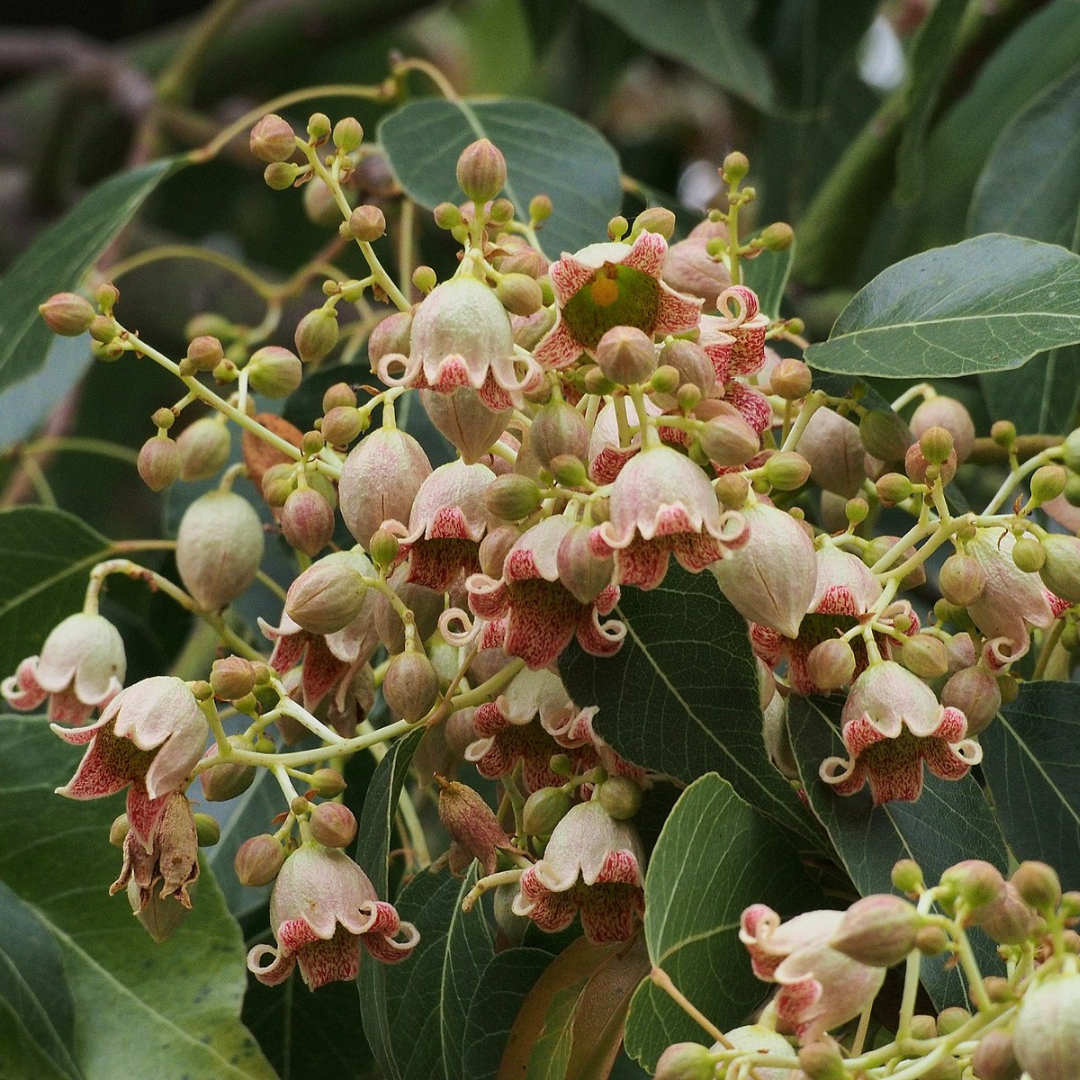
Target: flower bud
{"points": [[481, 171], [952, 1018], [218, 548], [1060, 571], [976, 694], [831, 664], [832, 446], [367, 223], [729, 440], [316, 334], [568, 470], [950, 414], [732, 489], [1010, 921], [272, 139], [203, 448], [205, 352], [962, 580], [519, 294], [342, 424], [278, 483], [931, 941], [655, 219], [258, 860], [1038, 885], [735, 167], [1046, 1038], [686, 1061], [544, 809], [307, 521], [893, 488], [384, 548], [1048, 482], [510, 924], [67, 314], [787, 470], [495, 547], [995, 1058], [558, 429], [973, 882], [103, 329], [348, 134], [207, 830], [583, 574], [327, 783], [626, 355], [540, 208], [159, 463], [791, 379], [878, 930], [884, 435], [333, 825], [224, 782], [411, 686], [620, 797], [281, 175], [922, 470], [512, 497], [778, 236], [232, 678], [923, 1026], [907, 876], [118, 830], [691, 362], [822, 1061], [327, 596], [925, 656], [1028, 555], [274, 371]]}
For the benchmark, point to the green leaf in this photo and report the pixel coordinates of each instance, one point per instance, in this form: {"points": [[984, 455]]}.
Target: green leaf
{"points": [[715, 857], [986, 304], [551, 1053], [37, 1011], [424, 139], [45, 561], [951, 821], [142, 1010], [56, 262], [709, 36], [685, 671], [1031, 758], [373, 854], [767, 274]]}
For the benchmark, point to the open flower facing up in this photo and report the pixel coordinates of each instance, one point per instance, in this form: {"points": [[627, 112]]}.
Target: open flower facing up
{"points": [[608, 285], [81, 668], [662, 504], [150, 736], [322, 907], [891, 724], [592, 864], [537, 613], [820, 987]]}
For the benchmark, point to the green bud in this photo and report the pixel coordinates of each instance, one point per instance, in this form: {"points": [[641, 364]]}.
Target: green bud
{"points": [[620, 797], [778, 236], [204, 449], [878, 930], [327, 596], [952, 1018], [118, 830], [411, 686], [736, 166], [544, 809], [348, 134], [831, 664], [281, 175], [383, 548], [666, 379], [207, 830], [1071, 451], [540, 209], [1028, 555], [1060, 571], [512, 497], [884, 435], [1048, 482], [925, 656], [962, 580], [424, 278], [447, 216], [617, 227], [907, 876], [232, 677], [791, 379], [1038, 885], [519, 294], [316, 334], [327, 783], [656, 219], [318, 127], [786, 470], [1003, 432], [569, 470]]}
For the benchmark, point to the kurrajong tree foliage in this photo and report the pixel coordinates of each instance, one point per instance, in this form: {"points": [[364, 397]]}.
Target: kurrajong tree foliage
{"points": [[559, 648]]}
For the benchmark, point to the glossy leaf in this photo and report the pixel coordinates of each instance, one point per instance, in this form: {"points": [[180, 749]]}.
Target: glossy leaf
{"points": [[56, 262], [45, 561], [767, 274], [715, 857], [709, 36], [424, 139], [1032, 762], [951, 821], [986, 304], [685, 670], [142, 1010]]}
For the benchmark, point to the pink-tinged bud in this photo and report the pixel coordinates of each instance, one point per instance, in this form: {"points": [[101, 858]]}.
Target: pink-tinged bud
{"points": [[67, 314], [340, 395], [390, 336], [512, 497], [950, 414], [580, 570], [922, 470], [495, 547], [976, 694], [558, 429], [907, 876], [884, 435], [230, 779], [328, 595], [465, 420], [307, 521], [686, 1061], [481, 171], [995, 1057], [770, 579], [333, 825], [878, 930], [1060, 571], [159, 463], [204, 449], [691, 362], [962, 580], [834, 450], [274, 371], [786, 470], [218, 548], [729, 440], [620, 797], [626, 355], [379, 481], [831, 665], [932, 941], [544, 809], [258, 860], [1038, 885], [1010, 921], [411, 686], [1046, 1038], [974, 882], [316, 334], [342, 424], [471, 824], [926, 656], [205, 352], [272, 139], [232, 678], [923, 1026], [520, 294], [689, 268], [656, 219], [791, 379], [367, 223]]}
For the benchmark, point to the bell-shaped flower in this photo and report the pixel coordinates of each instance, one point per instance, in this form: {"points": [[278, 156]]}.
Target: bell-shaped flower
{"points": [[892, 723], [537, 613], [592, 864], [1012, 603], [447, 522], [462, 336], [323, 905], [81, 668], [150, 736], [663, 504], [608, 285], [463, 418], [820, 988]]}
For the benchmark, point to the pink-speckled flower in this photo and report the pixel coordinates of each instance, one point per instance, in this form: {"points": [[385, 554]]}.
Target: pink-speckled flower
{"points": [[891, 724], [662, 504], [592, 864], [537, 613], [608, 285], [150, 736], [81, 668], [322, 907], [820, 988]]}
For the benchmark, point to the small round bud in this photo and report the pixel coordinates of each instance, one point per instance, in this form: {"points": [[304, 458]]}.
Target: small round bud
{"points": [[973, 882], [686, 1061], [307, 521], [207, 830], [617, 227], [1003, 432], [258, 860], [778, 236], [995, 1058], [481, 171], [948, 413], [367, 223], [893, 488], [786, 470], [424, 278], [1048, 482], [494, 548], [274, 371], [540, 209], [856, 511], [976, 694], [204, 449], [159, 463], [831, 665], [736, 166], [316, 334], [342, 424], [656, 219], [558, 429], [383, 548], [519, 294], [692, 364], [327, 783], [923, 1026], [272, 139], [688, 398], [936, 444], [232, 677], [512, 497], [583, 574], [729, 440], [163, 418], [118, 830], [219, 547], [667, 379], [229, 779], [1060, 571], [348, 134], [339, 396], [327, 596], [878, 930], [205, 352], [318, 127], [931, 941], [596, 382], [411, 686], [103, 329], [885, 435], [1038, 885], [907, 876], [67, 314], [620, 797], [1009, 688], [544, 809], [1046, 1037], [962, 580], [278, 483], [626, 355], [922, 471], [569, 470], [281, 175], [312, 444], [333, 824], [447, 216], [949, 1020], [925, 656], [822, 1061], [1071, 451], [501, 212], [791, 379], [1028, 555]]}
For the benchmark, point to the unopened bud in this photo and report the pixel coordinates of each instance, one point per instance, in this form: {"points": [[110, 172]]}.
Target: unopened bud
{"points": [[1060, 571], [230, 778], [512, 497], [907, 876], [822, 1061], [950, 414], [424, 278], [274, 371], [923, 1026], [203, 448], [583, 574], [333, 824], [735, 167], [258, 860], [973, 882], [667, 379], [1003, 432], [732, 489], [885, 435], [692, 364], [327, 783], [272, 139], [318, 127], [995, 1058], [878, 930], [342, 424], [893, 488], [411, 686], [326, 597], [932, 941], [118, 830], [791, 379], [470, 822], [558, 429], [103, 329], [367, 223], [949, 1020], [481, 171], [159, 463], [596, 382], [316, 334], [856, 511], [686, 1061], [1010, 921], [1038, 885], [281, 175], [207, 830], [962, 580], [617, 227], [495, 547], [205, 352], [925, 656], [348, 134], [786, 470], [976, 694], [778, 236], [568, 470], [729, 440], [232, 677], [1028, 555], [519, 294], [67, 314], [620, 797], [501, 212], [544, 809], [384, 548], [1046, 1037], [922, 470], [1048, 482], [307, 521], [219, 547], [656, 219], [540, 208], [831, 665], [626, 355], [278, 483]]}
